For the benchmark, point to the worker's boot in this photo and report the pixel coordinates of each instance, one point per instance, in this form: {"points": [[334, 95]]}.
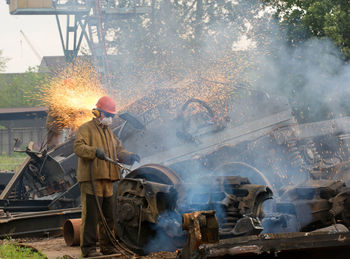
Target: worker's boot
{"points": [[109, 251], [90, 253]]}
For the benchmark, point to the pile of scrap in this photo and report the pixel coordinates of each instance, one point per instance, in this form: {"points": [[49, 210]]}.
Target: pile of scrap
{"points": [[244, 184]]}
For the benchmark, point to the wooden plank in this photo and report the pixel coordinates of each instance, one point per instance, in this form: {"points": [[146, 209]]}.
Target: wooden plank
{"points": [[14, 179]]}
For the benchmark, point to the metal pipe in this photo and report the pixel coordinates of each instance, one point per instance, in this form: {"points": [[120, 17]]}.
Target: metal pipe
{"points": [[71, 232]]}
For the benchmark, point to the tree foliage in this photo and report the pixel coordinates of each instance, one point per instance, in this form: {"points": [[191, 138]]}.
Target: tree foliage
{"points": [[176, 39], [322, 18], [19, 90], [3, 61]]}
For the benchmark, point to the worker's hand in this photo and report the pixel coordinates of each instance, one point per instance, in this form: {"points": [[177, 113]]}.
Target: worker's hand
{"points": [[134, 158], [100, 154]]}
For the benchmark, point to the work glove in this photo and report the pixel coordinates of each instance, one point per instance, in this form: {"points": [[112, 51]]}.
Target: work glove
{"points": [[100, 154], [134, 158]]}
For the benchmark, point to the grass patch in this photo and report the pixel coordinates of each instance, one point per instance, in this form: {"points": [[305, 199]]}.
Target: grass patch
{"points": [[9, 163], [14, 251]]}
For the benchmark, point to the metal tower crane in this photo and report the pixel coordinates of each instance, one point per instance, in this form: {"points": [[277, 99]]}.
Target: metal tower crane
{"points": [[85, 19]]}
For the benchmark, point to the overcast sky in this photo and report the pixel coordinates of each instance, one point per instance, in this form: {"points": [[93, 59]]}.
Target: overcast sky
{"points": [[41, 30]]}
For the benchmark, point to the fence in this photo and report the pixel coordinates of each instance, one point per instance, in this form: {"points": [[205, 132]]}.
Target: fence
{"points": [[8, 136]]}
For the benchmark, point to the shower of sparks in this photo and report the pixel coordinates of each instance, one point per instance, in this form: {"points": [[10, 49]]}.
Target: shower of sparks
{"points": [[216, 82], [71, 95]]}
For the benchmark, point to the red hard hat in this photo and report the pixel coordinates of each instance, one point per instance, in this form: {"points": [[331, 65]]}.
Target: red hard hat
{"points": [[106, 104]]}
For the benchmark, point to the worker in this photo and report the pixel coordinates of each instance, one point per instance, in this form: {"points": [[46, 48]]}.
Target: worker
{"points": [[94, 142]]}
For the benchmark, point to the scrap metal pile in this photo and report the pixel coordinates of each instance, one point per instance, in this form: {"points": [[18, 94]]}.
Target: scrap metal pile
{"points": [[254, 183], [148, 211]]}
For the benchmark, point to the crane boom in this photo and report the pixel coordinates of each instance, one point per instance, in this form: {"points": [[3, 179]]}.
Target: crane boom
{"points": [[31, 46], [89, 19]]}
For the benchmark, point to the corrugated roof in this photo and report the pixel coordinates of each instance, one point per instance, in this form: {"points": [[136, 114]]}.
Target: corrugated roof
{"points": [[23, 109], [57, 63]]}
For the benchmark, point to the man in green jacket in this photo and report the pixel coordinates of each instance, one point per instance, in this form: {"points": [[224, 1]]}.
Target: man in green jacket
{"points": [[94, 140]]}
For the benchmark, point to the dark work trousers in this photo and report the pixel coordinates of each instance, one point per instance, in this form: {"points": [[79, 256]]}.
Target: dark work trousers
{"points": [[90, 217]]}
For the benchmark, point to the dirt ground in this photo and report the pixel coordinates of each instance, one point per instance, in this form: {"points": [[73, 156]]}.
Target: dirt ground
{"points": [[56, 248], [53, 248]]}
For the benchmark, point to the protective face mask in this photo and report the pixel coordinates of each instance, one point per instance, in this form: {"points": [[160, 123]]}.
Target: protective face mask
{"points": [[106, 121]]}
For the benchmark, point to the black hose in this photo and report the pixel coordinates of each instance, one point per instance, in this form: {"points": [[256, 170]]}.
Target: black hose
{"points": [[125, 251]]}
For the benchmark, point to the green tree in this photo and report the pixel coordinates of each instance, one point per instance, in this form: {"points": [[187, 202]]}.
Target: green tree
{"points": [[322, 18], [175, 39], [20, 89], [3, 61]]}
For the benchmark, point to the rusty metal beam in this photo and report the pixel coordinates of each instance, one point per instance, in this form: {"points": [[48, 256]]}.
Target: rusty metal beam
{"points": [[45, 223], [288, 245]]}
